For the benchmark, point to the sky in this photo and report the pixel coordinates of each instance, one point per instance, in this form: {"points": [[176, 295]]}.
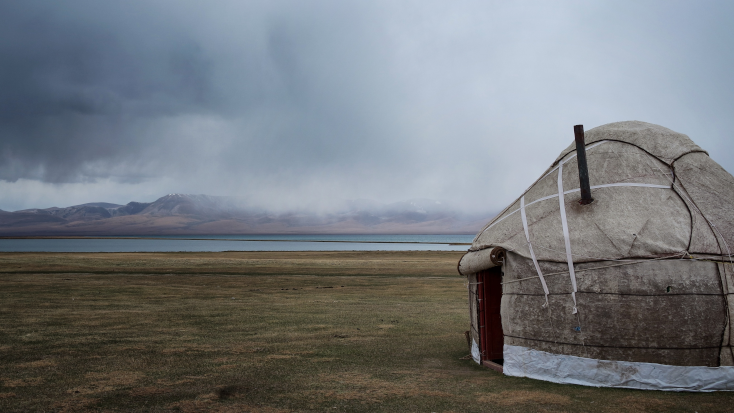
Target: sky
{"points": [[306, 104]]}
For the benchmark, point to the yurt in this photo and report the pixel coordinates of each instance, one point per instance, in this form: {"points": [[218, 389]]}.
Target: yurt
{"points": [[613, 269]]}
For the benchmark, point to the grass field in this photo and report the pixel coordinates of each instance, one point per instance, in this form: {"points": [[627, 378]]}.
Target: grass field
{"points": [[262, 332]]}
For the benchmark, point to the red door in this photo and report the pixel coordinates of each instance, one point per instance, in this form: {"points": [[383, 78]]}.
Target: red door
{"points": [[489, 293]]}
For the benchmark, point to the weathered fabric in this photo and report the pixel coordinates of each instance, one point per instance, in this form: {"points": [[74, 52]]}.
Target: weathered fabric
{"points": [[659, 141], [642, 275], [656, 193], [661, 311], [541, 365], [726, 356], [711, 189]]}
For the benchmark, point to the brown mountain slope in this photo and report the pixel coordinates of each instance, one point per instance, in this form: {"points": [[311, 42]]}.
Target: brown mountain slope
{"points": [[201, 214]]}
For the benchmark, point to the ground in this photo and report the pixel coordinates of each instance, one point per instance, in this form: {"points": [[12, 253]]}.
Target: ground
{"points": [[262, 332]]}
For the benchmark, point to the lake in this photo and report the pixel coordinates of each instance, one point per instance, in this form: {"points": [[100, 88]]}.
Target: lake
{"points": [[213, 243]]}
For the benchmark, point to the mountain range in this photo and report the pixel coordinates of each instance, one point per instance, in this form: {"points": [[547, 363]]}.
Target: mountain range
{"points": [[202, 214]]}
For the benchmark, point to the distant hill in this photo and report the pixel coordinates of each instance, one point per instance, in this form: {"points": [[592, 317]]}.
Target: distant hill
{"points": [[202, 214]]}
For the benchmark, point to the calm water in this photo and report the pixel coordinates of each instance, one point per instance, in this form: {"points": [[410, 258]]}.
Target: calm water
{"points": [[242, 243]]}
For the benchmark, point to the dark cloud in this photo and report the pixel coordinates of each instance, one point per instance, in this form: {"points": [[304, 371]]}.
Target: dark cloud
{"points": [[294, 103], [75, 90]]}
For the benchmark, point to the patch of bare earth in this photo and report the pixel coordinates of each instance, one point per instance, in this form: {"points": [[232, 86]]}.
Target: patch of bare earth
{"points": [[38, 363], [213, 402], [74, 404], [34, 381], [149, 391], [515, 397], [104, 382], [645, 404], [369, 389]]}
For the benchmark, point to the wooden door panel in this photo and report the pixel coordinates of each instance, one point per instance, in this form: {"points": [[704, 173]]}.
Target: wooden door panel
{"points": [[490, 320]]}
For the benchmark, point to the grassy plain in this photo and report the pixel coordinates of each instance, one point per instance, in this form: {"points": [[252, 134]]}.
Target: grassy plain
{"points": [[262, 332]]}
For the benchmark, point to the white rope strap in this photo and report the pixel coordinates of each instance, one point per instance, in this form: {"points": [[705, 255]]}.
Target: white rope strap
{"points": [[530, 246], [566, 237], [543, 177]]}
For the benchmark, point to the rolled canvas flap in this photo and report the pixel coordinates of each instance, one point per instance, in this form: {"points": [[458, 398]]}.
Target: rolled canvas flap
{"points": [[475, 261]]}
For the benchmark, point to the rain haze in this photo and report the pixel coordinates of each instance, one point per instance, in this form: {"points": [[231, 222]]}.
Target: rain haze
{"points": [[308, 104]]}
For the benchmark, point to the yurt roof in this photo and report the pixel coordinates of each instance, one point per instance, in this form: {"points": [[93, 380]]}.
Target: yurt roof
{"points": [[659, 141], [657, 194]]}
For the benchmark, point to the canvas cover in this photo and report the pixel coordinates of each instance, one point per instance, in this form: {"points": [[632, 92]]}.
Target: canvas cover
{"points": [[641, 275], [656, 311], [541, 365], [657, 193]]}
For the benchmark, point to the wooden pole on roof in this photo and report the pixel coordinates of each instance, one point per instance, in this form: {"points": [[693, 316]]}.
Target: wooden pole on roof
{"points": [[586, 198]]}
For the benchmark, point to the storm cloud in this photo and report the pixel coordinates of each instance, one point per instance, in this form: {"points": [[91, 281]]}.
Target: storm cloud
{"points": [[307, 104]]}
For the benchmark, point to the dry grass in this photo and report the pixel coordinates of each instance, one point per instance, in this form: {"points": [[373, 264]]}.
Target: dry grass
{"points": [[313, 332], [392, 263], [526, 397]]}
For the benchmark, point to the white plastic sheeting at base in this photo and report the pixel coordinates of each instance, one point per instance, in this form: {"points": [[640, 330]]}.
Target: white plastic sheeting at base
{"points": [[557, 368], [475, 352]]}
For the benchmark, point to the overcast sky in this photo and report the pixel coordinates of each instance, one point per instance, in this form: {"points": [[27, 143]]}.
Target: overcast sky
{"points": [[307, 103]]}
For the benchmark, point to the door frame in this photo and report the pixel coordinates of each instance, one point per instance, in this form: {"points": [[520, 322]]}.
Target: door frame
{"points": [[489, 319]]}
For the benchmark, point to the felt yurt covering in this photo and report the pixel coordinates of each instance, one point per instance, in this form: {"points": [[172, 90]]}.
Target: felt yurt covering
{"points": [[629, 291]]}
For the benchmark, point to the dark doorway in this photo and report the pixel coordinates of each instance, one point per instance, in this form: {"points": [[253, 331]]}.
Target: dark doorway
{"points": [[489, 294]]}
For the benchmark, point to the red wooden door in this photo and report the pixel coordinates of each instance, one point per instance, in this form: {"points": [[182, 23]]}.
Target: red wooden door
{"points": [[489, 293]]}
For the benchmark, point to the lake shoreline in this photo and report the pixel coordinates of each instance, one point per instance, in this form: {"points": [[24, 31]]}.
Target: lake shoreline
{"points": [[233, 239], [219, 243]]}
